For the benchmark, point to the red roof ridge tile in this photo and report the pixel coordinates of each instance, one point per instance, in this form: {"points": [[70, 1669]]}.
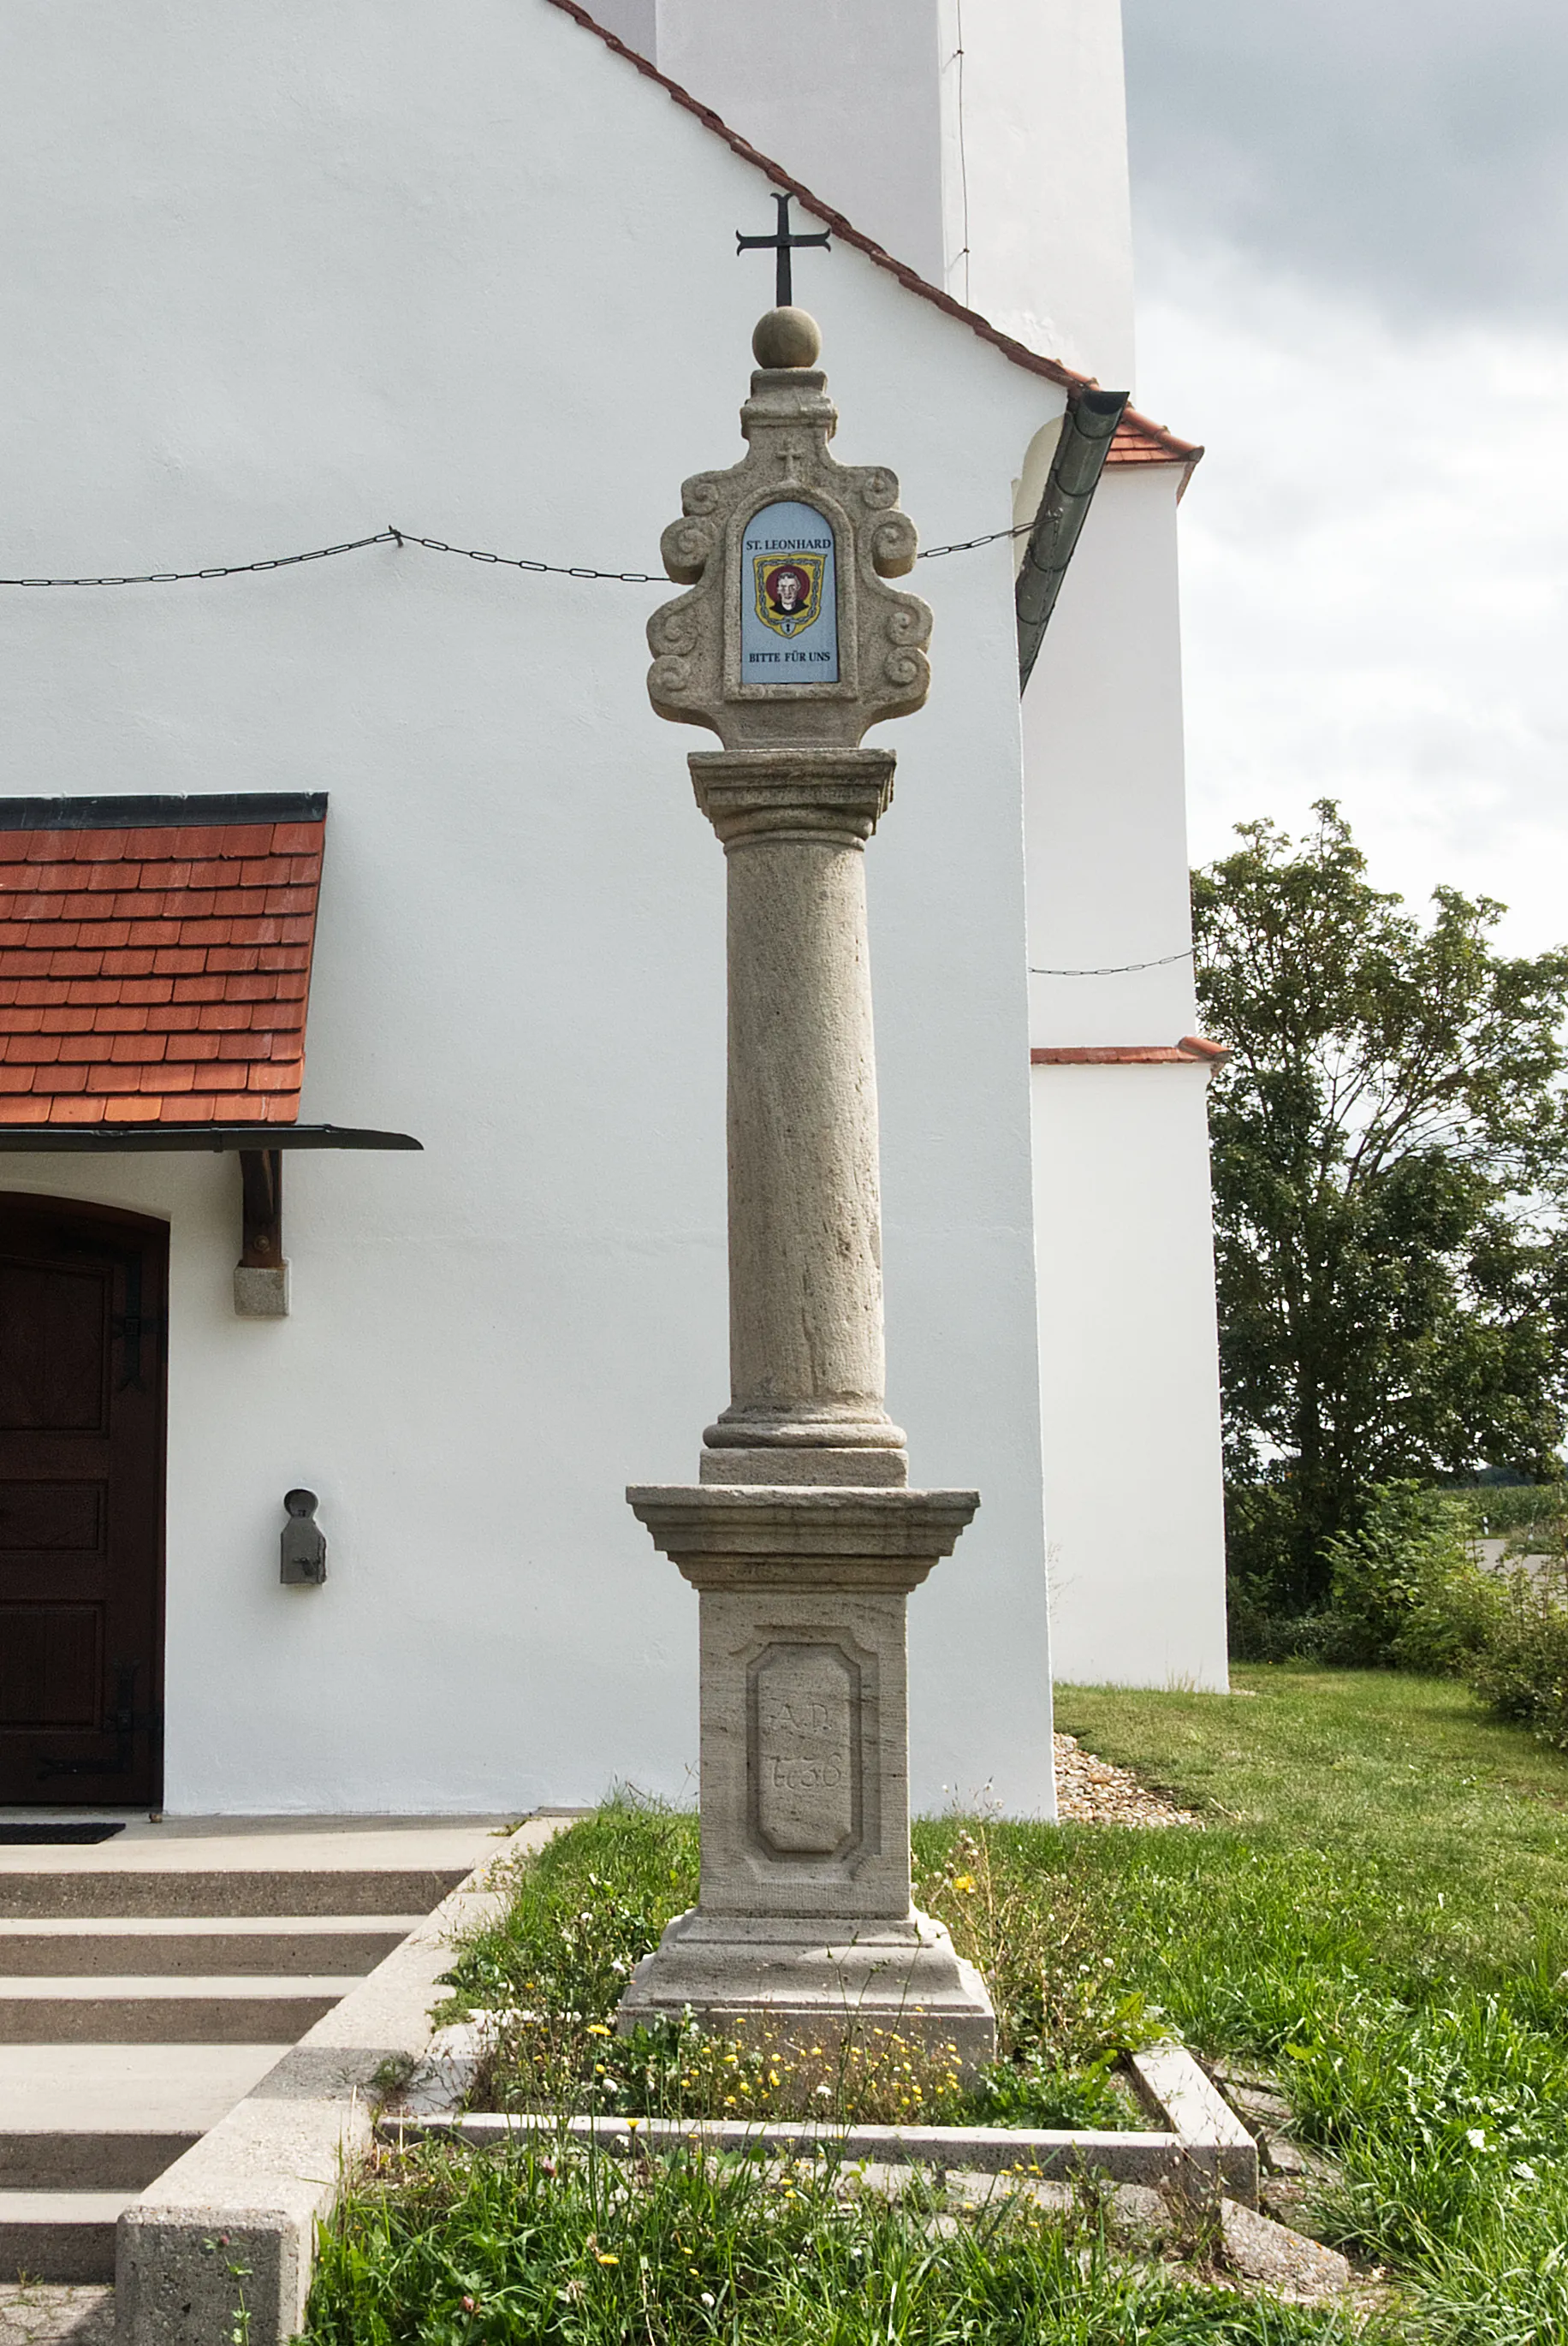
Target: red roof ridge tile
{"points": [[1019, 353], [1193, 1050], [1139, 440]]}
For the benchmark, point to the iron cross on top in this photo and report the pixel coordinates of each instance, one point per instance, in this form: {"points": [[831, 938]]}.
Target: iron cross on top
{"points": [[782, 243]]}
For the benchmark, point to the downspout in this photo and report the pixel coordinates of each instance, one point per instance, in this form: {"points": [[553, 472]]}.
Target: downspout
{"points": [[1087, 430]]}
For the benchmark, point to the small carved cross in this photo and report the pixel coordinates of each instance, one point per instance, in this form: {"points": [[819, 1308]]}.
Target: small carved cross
{"points": [[782, 243]]}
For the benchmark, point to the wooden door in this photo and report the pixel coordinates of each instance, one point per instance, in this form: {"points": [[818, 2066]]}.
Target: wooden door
{"points": [[83, 1302]]}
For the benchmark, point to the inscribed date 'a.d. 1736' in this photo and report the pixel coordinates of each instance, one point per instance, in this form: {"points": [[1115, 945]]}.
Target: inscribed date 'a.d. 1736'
{"points": [[790, 597]]}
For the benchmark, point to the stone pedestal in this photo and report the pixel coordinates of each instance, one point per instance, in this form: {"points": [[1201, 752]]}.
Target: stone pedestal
{"points": [[800, 1537], [805, 1913]]}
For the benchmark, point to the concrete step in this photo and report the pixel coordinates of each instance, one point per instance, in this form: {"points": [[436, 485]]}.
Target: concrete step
{"points": [[149, 1983], [143, 1947], [124, 1892], [59, 2235], [150, 2012], [121, 2160], [49, 2089]]}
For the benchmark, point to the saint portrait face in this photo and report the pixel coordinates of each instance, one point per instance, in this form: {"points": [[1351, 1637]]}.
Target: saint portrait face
{"points": [[788, 588]]}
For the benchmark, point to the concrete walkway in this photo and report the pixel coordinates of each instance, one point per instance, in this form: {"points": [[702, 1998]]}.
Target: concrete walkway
{"points": [[147, 1983]]}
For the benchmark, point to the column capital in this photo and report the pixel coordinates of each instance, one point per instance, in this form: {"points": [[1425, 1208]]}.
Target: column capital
{"points": [[835, 795], [747, 1537]]}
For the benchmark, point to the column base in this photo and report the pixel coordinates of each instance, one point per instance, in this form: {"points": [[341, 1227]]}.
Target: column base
{"points": [[809, 1981], [780, 1466]]}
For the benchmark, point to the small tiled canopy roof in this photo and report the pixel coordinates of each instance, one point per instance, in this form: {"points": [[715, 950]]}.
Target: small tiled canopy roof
{"points": [[155, 958], [1140, 442]]}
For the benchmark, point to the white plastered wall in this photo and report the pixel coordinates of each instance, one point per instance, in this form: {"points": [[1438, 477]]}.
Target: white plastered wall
{"points": [[1127, 1336], [985, 144], [274, 279]]}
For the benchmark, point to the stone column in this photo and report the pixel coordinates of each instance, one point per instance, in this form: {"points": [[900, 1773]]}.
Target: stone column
{"points": [[806, 1361], [801, 1537]]}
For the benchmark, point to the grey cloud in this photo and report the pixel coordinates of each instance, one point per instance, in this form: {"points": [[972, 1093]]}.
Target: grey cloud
{"points": [[1414, 151]]}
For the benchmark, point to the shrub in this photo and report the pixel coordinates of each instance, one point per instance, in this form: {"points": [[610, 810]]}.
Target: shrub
{"points": [[1523, 1670], [1406, 1589]]}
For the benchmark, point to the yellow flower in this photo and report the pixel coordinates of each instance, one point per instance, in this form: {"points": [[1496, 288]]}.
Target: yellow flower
{"points": [[963, 1882], [596, 2031], [604, 2259]]}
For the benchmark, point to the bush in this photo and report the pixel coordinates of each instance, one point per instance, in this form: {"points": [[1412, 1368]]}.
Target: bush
{"points": [[1523, 1670], [1406, 1589]]}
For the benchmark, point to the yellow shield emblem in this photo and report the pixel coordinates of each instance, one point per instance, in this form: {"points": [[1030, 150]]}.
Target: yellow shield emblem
{"points": [[788, 589]]}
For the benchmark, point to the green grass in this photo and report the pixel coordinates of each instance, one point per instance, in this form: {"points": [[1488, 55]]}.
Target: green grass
{"points": [[588, 1906], [491, 2251], [1357, 1819], [1374, 1912]]}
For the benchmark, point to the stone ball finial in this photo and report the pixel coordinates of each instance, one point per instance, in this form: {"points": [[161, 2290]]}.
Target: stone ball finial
{"points": [[786, 337]]}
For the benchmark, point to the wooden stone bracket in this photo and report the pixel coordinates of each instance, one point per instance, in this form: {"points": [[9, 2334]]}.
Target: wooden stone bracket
{"points": [[261, 1274]]}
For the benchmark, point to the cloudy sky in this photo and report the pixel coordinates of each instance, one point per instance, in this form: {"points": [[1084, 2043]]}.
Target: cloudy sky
{"points": [[1352, 228]]}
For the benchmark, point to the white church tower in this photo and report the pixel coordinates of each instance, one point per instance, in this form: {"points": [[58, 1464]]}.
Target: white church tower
{"points": [[983, 143]]}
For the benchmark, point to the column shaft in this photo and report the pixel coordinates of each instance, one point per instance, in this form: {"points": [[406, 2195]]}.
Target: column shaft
{"points": [[806, 1358]]}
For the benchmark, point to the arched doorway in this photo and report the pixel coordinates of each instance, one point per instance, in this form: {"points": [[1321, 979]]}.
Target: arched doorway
{"points": [[83, 1323]]}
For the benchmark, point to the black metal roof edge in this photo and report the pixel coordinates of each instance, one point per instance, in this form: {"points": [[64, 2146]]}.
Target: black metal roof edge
{"points": [[161, 814], [151, 1140]]}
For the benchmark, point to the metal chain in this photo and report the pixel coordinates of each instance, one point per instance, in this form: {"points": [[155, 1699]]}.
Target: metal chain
{"points": [[214, 570], [968, 544], [390, 537], [521, 562], [1118, 968]]}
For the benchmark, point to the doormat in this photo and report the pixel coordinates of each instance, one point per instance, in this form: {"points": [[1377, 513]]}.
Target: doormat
{"points": [[53, 1836]]}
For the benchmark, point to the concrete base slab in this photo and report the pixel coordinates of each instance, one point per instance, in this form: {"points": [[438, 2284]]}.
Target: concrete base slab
{"points": [[1199, 2160], [808, 1981]]}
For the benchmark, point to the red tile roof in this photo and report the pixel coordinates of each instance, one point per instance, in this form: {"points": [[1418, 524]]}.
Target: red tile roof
{"points": [[1139, 441], [1142, 437], [156, 971], [1191, 1049]]}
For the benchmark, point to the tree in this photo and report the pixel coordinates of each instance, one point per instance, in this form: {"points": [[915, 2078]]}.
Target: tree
{"points": [[1390, 1161]]}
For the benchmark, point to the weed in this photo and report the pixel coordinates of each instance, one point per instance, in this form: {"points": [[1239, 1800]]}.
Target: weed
{"points": [[595, 1900]]}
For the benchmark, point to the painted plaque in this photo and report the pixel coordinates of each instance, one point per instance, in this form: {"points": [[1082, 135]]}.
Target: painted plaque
{"points": [[805, 1748], [789, 598]]}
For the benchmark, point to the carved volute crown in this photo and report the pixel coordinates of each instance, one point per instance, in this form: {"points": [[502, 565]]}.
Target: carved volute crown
{"points": [[790, 635]]}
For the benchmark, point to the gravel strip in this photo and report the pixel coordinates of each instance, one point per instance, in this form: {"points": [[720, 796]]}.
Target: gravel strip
{"points": [[1090, 1791], [46, 2313]]}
